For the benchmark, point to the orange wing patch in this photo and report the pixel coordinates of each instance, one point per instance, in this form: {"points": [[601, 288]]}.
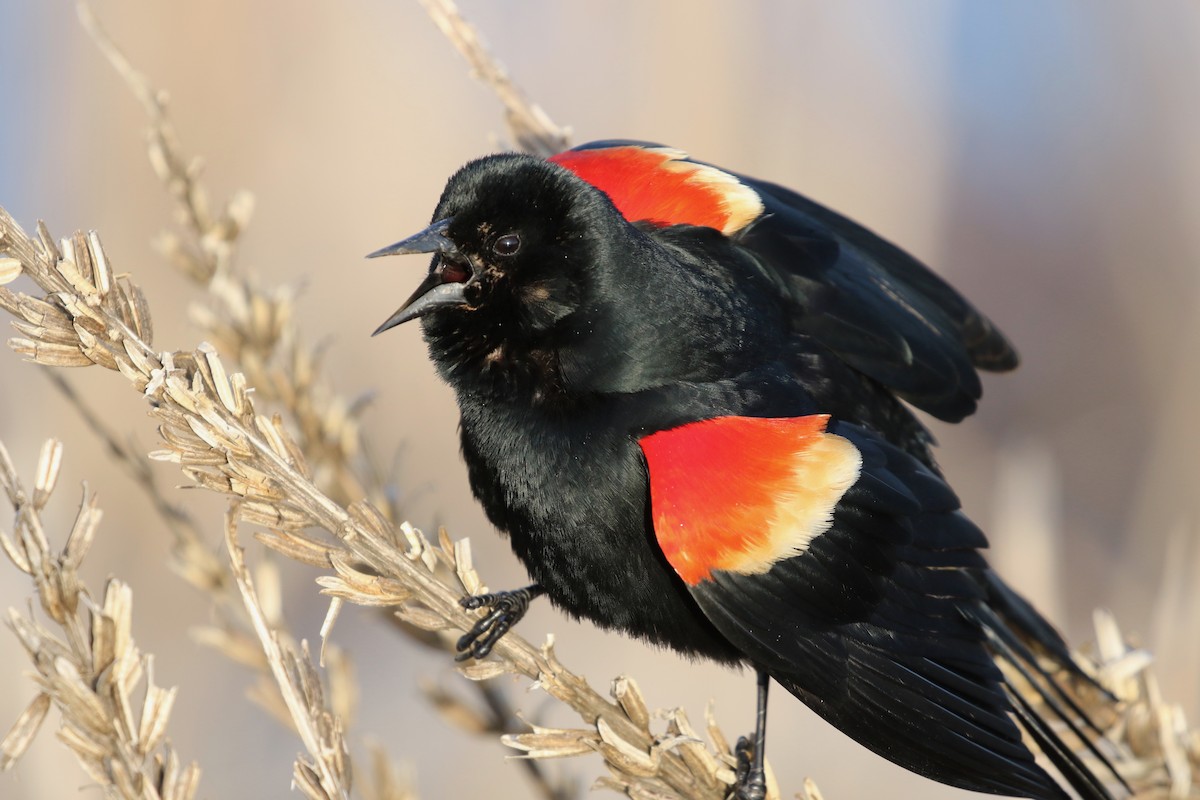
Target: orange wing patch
{"points": [[658, 185], [742, 493]]}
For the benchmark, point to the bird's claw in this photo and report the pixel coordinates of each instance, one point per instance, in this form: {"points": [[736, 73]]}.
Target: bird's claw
{"points": [[507, 610], [751, 780]]}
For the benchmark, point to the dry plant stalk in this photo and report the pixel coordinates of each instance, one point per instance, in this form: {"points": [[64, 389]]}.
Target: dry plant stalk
{"points": [[1163, 754], [327, 775], [117, 318], [530, 127], [252, 326], [114, 716], [255, 324]]}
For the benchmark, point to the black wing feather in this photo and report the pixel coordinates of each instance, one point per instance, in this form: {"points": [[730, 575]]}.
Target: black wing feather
{"points": [[882, 311]]}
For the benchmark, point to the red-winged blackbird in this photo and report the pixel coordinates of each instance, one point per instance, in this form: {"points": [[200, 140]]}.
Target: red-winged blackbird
{"points": [[684, 396]]}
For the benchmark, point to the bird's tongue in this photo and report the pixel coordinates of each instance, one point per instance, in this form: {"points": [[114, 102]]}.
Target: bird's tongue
{"points": [[452, 272]]}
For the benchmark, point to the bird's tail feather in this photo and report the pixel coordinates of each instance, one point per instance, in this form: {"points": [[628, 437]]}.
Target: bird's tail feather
{"points": [[1044, 682]]}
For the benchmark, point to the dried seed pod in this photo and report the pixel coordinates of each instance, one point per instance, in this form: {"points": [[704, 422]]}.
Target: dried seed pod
{"points": [[627, 694], [10, 270], [23, 731]]}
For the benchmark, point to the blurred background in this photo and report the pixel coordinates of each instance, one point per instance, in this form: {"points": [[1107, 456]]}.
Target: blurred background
{"points": [[1041, 156]]}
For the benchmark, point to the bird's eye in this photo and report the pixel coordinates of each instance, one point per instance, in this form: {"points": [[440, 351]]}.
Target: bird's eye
{"points": [[507, 245]]}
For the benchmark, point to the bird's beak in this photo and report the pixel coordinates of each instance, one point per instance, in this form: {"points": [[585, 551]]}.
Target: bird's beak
{"points": [[441, 286], [431, 240]]}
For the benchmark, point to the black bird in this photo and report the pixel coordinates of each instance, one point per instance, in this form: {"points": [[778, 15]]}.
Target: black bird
{"points": [[685, 398]]}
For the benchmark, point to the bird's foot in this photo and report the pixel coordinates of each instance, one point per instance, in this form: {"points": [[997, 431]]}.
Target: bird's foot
{"points": [[507, 610], [751, 777]]}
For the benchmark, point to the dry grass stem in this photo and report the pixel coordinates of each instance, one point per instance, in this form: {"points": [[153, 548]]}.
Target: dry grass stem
{"points": [[191, 558], [217, 235], [326, 776], [252, 326], [530, 127], [114, 716], [384, 781], [1161, 754], [256, 326]]}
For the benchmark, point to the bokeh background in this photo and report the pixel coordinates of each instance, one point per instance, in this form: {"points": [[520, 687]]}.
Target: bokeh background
{"points": [[1041, 156]]}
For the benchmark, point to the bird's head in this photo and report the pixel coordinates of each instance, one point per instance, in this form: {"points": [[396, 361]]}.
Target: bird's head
{"points": [[509, 236], [512, 239]]}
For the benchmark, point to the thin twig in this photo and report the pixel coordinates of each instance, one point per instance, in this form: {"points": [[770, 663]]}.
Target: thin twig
{"points": [[506, 721], [531, 128], [327, 774], [192, 558], [181, 176]]}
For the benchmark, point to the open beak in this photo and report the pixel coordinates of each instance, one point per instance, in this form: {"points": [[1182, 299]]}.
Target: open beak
{"points": [[445, 283]]}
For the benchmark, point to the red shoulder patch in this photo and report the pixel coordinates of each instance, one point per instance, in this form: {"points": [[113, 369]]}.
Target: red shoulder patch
{"points": [[742, 493], [659, 185]]}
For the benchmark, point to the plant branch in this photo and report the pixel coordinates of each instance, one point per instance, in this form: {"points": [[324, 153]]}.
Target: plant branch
{"points": [[91, 671], [530, 127], [327, 775]]}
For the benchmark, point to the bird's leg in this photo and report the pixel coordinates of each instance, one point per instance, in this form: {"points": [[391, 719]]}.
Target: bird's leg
{"points": [[751, 757], [507, 610]]}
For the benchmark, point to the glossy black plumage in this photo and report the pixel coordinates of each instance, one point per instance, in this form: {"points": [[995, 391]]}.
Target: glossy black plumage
{"points": [[596, 331]]}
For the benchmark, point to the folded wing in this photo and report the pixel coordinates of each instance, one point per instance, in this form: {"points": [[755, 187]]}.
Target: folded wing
{"points": [[871, 603]]}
